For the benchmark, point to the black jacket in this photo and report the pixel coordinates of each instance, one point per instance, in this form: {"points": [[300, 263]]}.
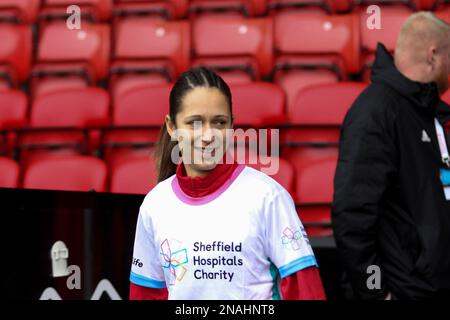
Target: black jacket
{"points": [[389, 207]]}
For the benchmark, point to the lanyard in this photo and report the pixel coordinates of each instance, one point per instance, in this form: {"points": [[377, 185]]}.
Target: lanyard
{"points": [[442, 144]]}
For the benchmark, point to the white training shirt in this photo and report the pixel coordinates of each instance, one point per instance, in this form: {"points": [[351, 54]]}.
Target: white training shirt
{"points": [[231, 244]]}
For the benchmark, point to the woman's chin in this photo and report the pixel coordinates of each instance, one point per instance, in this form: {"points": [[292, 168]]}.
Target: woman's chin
{"points": [[206, 166]]}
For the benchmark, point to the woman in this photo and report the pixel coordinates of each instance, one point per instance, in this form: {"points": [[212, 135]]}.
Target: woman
{"points": [[212, 229]]}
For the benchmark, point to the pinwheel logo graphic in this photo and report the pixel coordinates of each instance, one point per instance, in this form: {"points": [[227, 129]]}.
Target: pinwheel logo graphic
{"points": [[291, 238], [174, 258]]}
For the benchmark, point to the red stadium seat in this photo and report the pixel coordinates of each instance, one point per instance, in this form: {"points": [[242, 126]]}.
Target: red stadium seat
{"points": [[233, 77], [51, 82], [392, 19], [19, 11], [134, 173], [94, 10], [417, 5], [148, 51], [278, 168], [324, 104], [144, 38], [78, 108], [331, 6], [246, 7], [230, 42], [442, 10], [13, 115], [4, 83], [318, 112], [312, 32], [15, 53], [285, 175], [9, 173], [142, 106], [294, 80], [121, 83], [429, 5], [446, 97], [315, 168], [258, 104], [82, 54], [137, 116], [313, 47], [89, 45], [64, 118], [13, 109], [69, 173], [169, 9], [339, 6]]}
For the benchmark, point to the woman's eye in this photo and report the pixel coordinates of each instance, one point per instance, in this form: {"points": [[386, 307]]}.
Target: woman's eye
{"points": [[195, 124]]}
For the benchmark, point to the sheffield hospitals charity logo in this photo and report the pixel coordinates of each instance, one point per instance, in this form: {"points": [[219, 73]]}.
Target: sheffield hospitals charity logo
{"points": [[291, 238], [174, 258]]}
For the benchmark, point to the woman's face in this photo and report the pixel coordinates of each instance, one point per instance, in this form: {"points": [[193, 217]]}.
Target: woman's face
{"points": [[200, 128]]}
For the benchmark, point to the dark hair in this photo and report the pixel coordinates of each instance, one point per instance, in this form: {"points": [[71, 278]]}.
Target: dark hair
{"points": [[195, 77]]}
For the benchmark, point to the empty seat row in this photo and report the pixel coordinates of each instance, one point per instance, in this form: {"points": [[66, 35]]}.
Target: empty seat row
{"points": [[310, 171], [135, 172], [255, 104], [295, 48], [27, 11], [84, 118], [164, 48]]}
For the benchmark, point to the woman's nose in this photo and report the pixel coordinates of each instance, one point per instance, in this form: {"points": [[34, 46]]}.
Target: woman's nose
{"points": [[208, 135]]}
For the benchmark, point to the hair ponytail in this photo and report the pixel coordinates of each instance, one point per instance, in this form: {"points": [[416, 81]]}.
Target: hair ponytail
{"points": [[164, 164]]}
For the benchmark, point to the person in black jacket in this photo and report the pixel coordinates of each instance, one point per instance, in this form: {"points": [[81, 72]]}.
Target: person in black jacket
{"points": [[390, 213]]}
